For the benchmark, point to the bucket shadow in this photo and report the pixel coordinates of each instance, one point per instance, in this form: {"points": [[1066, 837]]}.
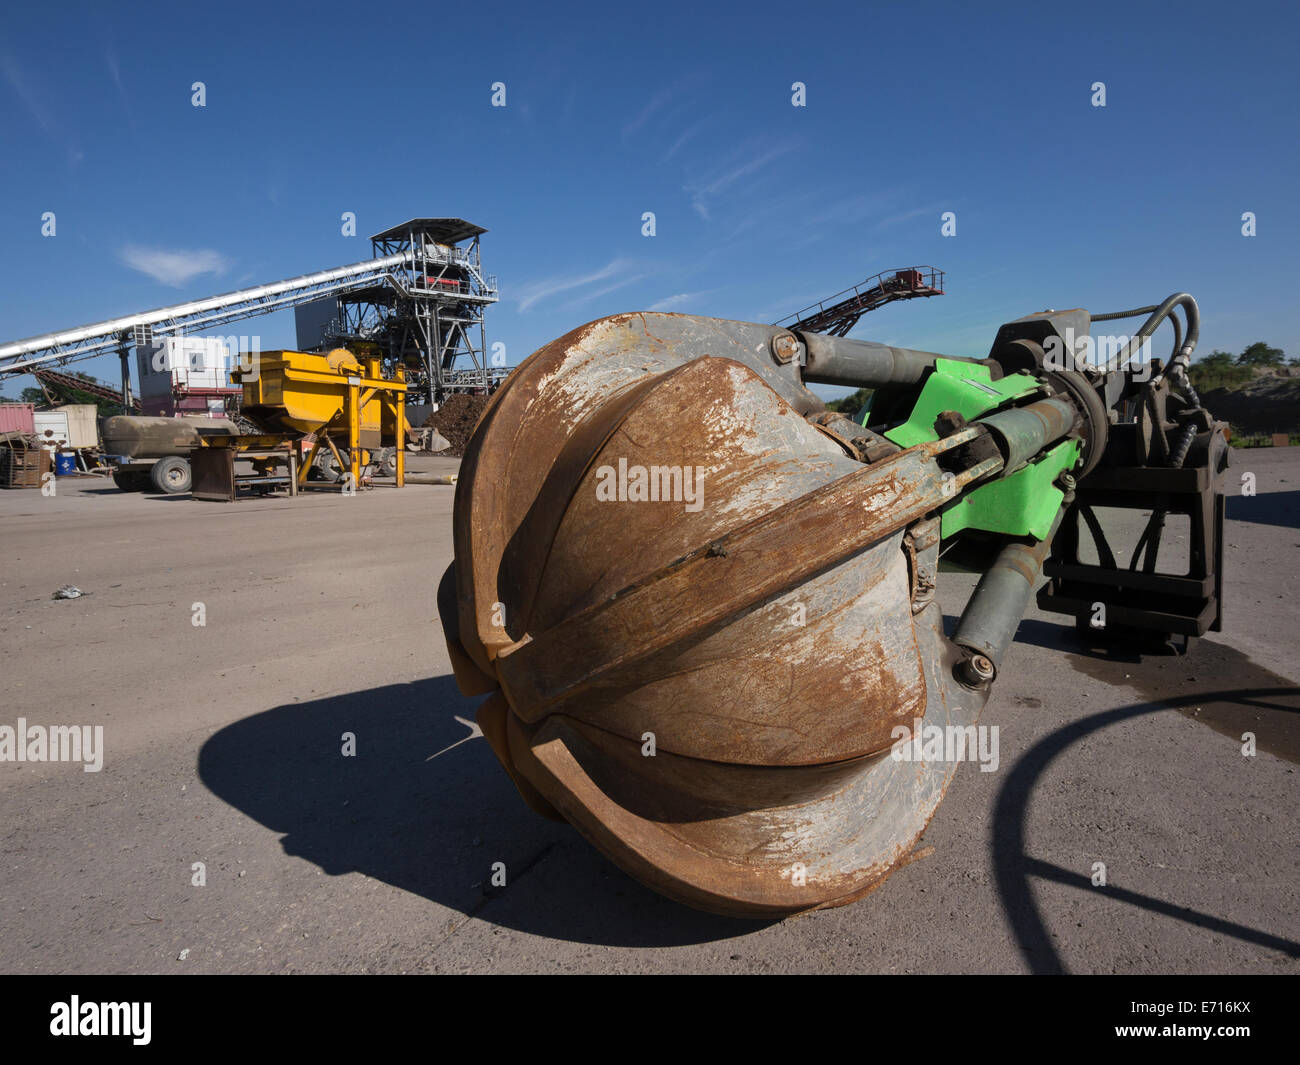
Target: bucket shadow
{"points": [[1015, 867], [426, 809]]}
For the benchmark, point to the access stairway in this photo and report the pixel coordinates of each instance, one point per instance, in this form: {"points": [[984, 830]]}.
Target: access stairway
{"points": [[838, 314]]}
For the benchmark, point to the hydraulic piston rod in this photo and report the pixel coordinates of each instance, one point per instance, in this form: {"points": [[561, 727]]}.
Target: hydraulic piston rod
{"points": [[861, 363]]}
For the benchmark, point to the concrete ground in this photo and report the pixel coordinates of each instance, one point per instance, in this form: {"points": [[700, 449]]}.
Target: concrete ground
{"points": [[222, 747]]}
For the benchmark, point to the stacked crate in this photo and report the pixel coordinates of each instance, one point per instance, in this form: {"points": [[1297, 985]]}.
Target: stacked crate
{"points": [[22, 462]]}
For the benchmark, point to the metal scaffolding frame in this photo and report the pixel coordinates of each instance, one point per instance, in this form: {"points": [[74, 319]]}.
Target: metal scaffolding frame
{"points": [[428, 317]]}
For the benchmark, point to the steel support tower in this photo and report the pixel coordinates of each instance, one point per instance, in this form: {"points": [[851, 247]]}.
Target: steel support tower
{"points": [[428, 315]]}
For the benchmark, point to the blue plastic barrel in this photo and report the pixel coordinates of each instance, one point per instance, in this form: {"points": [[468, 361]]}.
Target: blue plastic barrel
{"points": [[65, 465]]}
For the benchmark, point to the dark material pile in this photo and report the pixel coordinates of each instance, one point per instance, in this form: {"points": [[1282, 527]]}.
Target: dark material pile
{"points": [[1268, 404], [455, 419]]}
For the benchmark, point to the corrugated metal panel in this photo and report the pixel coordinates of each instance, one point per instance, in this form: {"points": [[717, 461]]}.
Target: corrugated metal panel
{"points": [[310, 319], [16, 417], [82, 427]]}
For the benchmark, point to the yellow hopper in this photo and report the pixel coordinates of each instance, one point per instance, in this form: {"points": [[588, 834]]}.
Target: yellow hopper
{"points": [[335, 396]]}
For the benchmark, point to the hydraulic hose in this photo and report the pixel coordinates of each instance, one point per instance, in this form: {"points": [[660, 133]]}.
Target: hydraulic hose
{"points": [[1158, 313], [1177, 371], [1113, 315], [1136, 312]]}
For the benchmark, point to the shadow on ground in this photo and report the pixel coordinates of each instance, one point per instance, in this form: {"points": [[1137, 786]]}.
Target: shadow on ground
{"points": [[1016, 868], [155, 497], [429, 811], [432, 823], [1213, 684], [1267, 508]]}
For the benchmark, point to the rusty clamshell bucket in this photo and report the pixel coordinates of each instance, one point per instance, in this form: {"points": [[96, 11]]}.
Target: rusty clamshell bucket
{"points": [[702, 617]]}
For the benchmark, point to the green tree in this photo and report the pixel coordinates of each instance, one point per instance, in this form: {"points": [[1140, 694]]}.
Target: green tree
{"points": [[850, 405], [1219, 369], [1260, 354], [1217, 360]]}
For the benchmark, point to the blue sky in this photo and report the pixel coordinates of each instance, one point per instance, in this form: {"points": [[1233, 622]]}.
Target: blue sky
{"points": [[680, 109]]}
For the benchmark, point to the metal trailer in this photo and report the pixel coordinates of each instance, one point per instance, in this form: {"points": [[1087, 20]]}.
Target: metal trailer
{"points": [[146, 453]]}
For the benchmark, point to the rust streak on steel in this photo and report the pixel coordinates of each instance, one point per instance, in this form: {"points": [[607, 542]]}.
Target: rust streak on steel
{"points": [[719, 580]]}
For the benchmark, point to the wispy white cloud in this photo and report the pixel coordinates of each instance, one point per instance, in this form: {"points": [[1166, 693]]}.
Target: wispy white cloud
{"points": [[660, 103], [19, 85], [820, 213], [36, 109], [657, 103], [173, 268], [848, 210], [907, 216], [688, 134], [786, 305], [669, 302], [605, 290], [750, 166], [533, 292], [115, 72], [707, 189]]}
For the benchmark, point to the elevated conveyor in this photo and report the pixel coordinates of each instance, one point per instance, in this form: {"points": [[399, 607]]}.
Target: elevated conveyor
{"points": [[112, 335]]}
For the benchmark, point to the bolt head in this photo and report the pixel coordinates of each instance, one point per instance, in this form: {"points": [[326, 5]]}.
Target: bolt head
{"points": [[979, 669], [785, 347]]}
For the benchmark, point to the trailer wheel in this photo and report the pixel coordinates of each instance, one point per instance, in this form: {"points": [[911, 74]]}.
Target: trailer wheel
{"points": [[386, 462], [131, 480], [327, 466], [171, 475]]}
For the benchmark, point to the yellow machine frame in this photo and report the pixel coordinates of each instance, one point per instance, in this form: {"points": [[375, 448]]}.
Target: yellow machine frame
{"points": [[360, 391], [360, 383]]}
